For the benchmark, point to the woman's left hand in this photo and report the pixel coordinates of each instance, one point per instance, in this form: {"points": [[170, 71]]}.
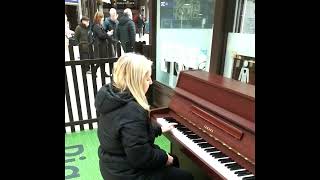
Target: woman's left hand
{"points": [[168, 127]]}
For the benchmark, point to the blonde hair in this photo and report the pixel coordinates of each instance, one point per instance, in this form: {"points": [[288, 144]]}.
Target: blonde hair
{"points": [[129, 73]]}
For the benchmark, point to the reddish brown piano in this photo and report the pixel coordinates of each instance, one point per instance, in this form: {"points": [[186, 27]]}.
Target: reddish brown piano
{"points": [[219, 114]]}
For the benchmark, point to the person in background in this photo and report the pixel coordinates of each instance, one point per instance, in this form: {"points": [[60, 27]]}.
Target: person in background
{"points": [[81, 35], [147, 24], [126, 31], [101, 39], [110, 25], [67, 34], [140, 25]]}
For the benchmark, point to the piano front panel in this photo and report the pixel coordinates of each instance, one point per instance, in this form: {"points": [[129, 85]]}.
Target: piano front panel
{"points": [[242, 147]]}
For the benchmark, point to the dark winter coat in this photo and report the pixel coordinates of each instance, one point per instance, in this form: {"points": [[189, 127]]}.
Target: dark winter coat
{"points": [[101, 40], [109, 25], [127, 149], [81, 35], [126, 33]]}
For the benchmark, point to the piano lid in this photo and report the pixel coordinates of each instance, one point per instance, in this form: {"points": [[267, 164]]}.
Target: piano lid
{"points": [[224, 93]]}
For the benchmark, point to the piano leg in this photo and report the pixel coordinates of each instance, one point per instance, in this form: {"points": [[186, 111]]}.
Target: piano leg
{"points": [[188, 162]]}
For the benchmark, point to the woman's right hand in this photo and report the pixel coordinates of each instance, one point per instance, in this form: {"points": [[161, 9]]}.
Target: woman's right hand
{"points": [[168, 127], [170, 160]]}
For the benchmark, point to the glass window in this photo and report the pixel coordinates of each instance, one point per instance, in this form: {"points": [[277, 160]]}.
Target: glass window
{"points": [[240, 51], [185, 14], [248, 17], [184, 35]]}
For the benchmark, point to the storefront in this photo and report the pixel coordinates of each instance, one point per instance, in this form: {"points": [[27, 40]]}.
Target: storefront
{"points": [[73, 12]]}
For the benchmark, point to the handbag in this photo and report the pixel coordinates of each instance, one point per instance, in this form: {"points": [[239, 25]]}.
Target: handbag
{"points": [[73, 41]]}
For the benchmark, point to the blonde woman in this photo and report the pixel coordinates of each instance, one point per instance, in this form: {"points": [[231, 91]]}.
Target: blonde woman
{"points": [[127, 150]]}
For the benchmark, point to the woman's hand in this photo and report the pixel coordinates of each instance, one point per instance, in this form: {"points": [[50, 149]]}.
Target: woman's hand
{"points": [[110, 33], [168, 127], [170, 160]]}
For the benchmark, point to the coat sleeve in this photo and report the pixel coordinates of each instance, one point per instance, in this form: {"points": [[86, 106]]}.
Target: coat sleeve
{"points": [[100, 33], [77, 34], [157, 129], [118, 33], [105, 24], [132, 34], [140, 153]]}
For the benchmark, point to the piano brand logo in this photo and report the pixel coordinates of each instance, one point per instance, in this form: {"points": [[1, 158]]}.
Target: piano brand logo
{"points": [[207, 128]]}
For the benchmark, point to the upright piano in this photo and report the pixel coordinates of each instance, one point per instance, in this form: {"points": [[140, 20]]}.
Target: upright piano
{"points": [[216, 126]]}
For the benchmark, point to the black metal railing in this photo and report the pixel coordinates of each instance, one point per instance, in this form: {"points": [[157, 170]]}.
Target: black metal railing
{"points": [[94, 64], [74, 103], [91, 51]]}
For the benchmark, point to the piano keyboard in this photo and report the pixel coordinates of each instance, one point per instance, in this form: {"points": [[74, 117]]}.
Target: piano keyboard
{"points": [[207, 153]]}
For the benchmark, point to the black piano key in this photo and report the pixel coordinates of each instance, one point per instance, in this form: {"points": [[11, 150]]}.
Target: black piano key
{"points": [[205, 145], [231, 164], [218, 155], [235, 167], [184, 130], [226, 160], [170, 119], [249, 178], [198, 140], [211, 149], [243, 173], [188, 133], [193, 136], [181, 128]]}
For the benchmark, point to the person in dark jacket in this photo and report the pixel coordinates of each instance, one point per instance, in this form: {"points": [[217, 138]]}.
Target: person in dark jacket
{"points": [[126, 31], [110, 25], [81, 35], [101, 38], [127, 150], [140, 25]]}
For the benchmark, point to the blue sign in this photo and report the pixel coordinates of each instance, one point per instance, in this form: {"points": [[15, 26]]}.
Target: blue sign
{"points": [[71, 1]]}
